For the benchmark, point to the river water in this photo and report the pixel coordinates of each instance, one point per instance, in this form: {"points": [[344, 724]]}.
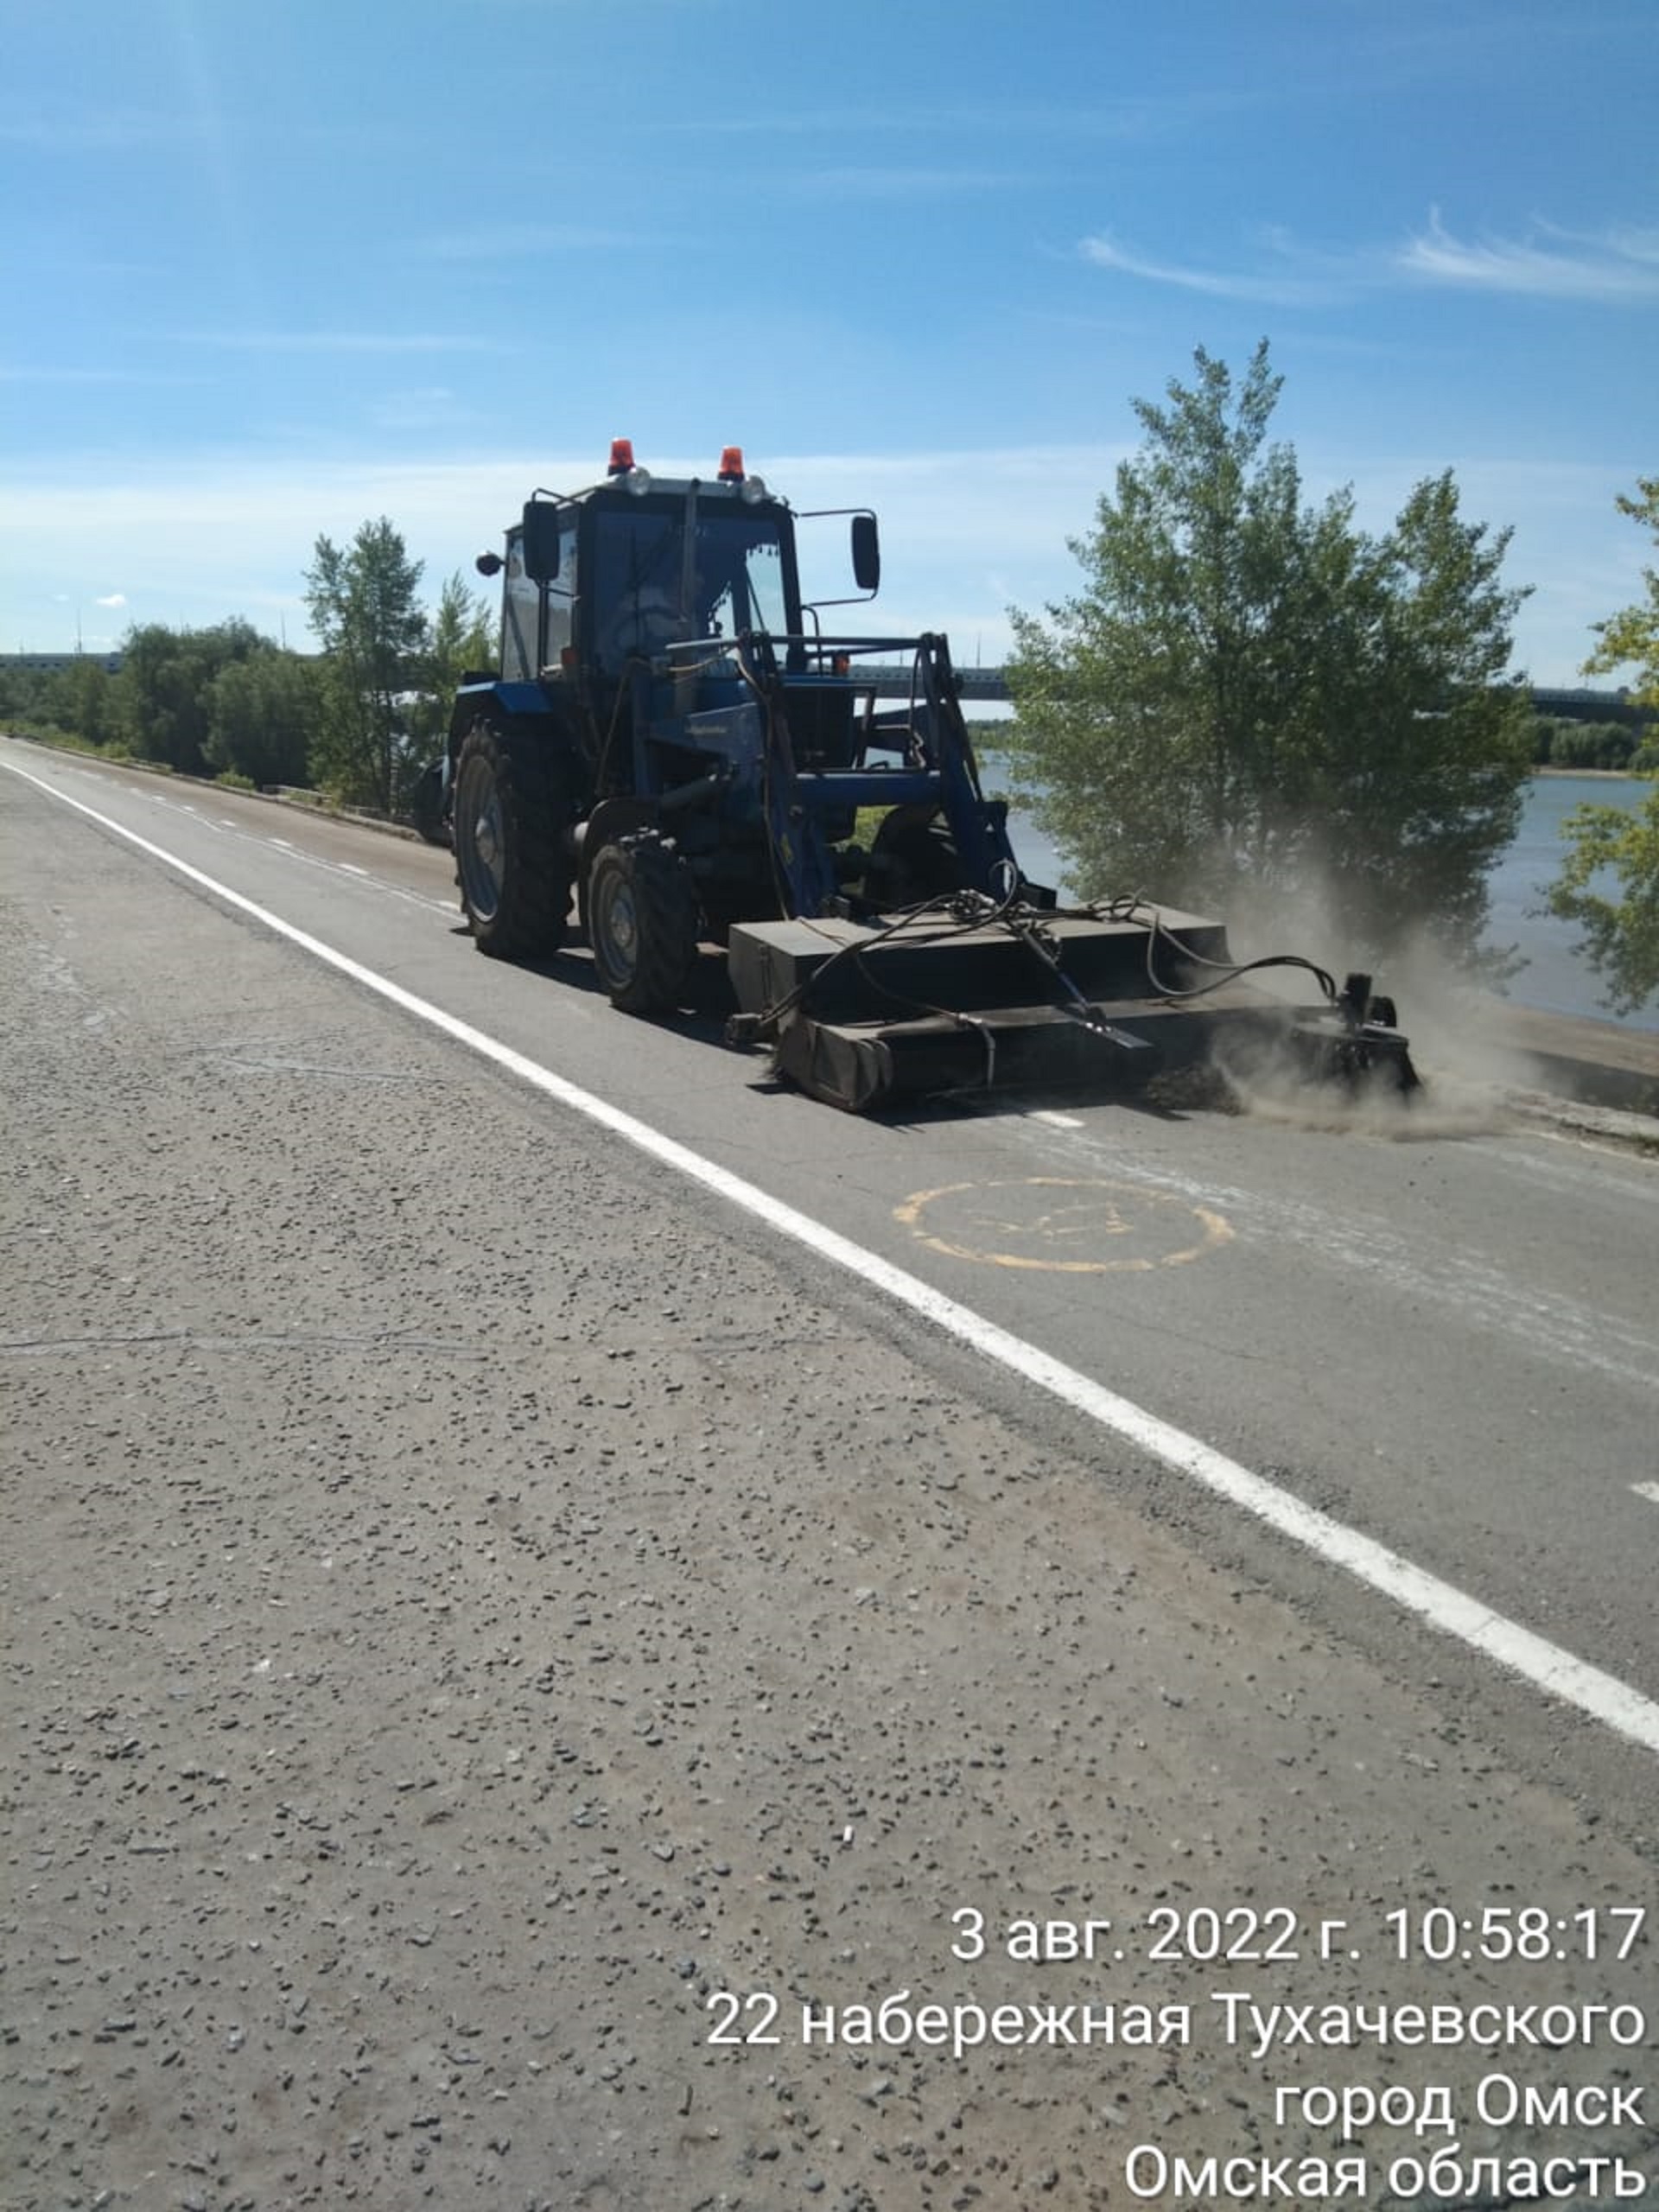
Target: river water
{"points": [[1556, 979]]}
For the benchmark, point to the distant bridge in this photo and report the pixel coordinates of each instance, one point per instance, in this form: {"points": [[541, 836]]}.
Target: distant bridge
{"points": [[896, 681], [1579, 705]]}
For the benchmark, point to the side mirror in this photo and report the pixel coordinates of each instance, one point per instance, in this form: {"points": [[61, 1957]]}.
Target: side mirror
{"points": [[867, 554], [541, 541]]}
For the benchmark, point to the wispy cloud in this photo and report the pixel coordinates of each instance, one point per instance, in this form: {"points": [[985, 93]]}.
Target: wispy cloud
{"points": [[1619, 267], [31, 373], [89, 131], [115, 599], [431, 407], [1616, 268], [1312, 283], [341, 341], [1105, 120], [522, 241], [901, 182]]}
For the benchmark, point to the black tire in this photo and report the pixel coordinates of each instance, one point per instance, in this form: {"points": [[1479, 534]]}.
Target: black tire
{"points": [[511, 812], [426, 804], [643, 923]]}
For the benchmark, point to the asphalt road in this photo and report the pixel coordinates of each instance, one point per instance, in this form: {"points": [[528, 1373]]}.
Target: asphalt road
{"points": [[1438, 1328], [302, 1284]]}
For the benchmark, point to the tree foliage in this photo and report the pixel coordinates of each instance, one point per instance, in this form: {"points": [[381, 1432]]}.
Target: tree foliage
{"points": [[1558, 741], [23, 694], [373, 634], [1621, 927], [262, 717], [1632, 634], [82, 699], [463, 640], [1250, 690], [361, 717], [1619, 910], [165, 689]]}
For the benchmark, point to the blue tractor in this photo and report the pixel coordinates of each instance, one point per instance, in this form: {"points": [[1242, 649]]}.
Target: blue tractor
{"points": [[676, 746]]}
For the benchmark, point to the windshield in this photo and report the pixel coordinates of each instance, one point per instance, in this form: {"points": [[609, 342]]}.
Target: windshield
{"points": [[740, 577], [737, 579]]}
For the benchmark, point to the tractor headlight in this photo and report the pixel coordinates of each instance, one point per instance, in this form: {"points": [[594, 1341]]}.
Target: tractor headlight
{"points": [[754, 490]]}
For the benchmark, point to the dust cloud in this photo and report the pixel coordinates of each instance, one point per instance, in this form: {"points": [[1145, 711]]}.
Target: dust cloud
{"points": [[1468, 1072]]}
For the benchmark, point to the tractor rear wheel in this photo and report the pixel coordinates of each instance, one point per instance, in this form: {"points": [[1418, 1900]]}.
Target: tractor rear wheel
{"points": [[511, 812], [641, 908]]}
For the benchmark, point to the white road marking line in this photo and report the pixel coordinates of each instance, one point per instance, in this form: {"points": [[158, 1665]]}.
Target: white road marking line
{"points": [[1649, 1491], [445, 906], [1442, 1605]]}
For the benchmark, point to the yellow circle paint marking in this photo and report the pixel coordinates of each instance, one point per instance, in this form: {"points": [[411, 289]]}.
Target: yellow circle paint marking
{"points": [[1070, 1227]]}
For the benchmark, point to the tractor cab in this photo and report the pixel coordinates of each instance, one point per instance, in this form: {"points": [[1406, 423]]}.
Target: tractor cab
{"points": [[636, 572]]}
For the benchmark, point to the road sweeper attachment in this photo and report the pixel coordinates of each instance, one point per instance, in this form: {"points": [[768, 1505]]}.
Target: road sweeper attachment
{"points": [[972, 992], [674, 743]]}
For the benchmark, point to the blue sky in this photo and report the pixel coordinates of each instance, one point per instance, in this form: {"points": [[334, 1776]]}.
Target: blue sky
{"points": [[272, 270]]}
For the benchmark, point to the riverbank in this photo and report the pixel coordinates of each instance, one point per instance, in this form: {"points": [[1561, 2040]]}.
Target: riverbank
{"points": [[1592, 775], [1592, 1063]]}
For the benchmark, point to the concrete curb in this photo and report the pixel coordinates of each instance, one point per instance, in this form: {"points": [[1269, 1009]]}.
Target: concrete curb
{"points": [[1636, 1132], [1595, 1063], [282, 796], [1627, 1091]]}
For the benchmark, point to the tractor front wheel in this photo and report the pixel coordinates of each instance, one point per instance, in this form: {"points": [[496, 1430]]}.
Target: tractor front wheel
{"points": [[641, 908], [511, 816], [913, 858], [426, 804]]}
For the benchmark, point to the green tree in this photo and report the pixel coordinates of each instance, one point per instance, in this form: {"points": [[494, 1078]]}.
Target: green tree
{"points": [[80, 699], [372, 631], [1248, 690], [1591, 745], [164, 691], [1618, 910], [463, 640], [23, 695], [263, 717]]}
